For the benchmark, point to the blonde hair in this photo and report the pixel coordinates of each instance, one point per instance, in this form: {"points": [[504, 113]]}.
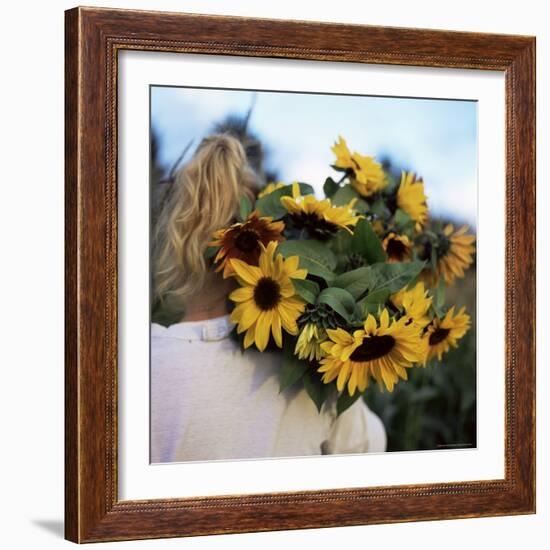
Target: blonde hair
{"points": [[205, 197]]}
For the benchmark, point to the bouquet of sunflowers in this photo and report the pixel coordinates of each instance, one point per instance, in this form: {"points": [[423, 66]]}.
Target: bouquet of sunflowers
{"points": [[350, 288]]}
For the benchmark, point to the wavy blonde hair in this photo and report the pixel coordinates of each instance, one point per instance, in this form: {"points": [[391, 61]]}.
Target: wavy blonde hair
{"points": [[205, 197]]}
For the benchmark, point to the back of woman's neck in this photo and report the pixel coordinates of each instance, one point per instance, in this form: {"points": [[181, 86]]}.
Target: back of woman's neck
{"points": [[211, 301], [203, 313]]}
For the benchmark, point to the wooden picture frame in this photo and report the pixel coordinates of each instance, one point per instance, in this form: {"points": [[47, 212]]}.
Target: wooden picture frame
{"points": [[93, 511]]}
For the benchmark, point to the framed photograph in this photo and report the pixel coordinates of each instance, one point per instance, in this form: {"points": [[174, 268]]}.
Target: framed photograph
{"points": [[300, 275]]}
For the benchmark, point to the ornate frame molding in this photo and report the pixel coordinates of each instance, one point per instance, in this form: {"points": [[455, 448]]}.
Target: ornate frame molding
{"points": [[93, 38]]}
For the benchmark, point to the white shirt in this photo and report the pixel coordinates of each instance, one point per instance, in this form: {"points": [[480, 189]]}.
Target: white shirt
{"points": [[211, 401]]}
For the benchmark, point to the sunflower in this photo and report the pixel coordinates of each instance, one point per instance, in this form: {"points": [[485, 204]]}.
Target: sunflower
{"points": [[269, 188], [454, 254], [397, 247], [415, 302], [267, 300], [368, 175], [459, 254], [383, 351], [412, 200], [343, 155], [309, 342], [442, 334], [242, 241], [318, 217]]}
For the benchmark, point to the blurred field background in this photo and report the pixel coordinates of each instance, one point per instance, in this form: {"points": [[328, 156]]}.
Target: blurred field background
{"points": [[288, 137], [436, 407]]}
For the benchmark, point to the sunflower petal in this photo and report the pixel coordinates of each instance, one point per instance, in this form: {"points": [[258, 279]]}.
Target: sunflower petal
{"points": [[288, 318], [340, 336], [343, 376], [250, 274], [245, 314], [299, 274], [352, 383], [249, 337], [263, 326], [291, 264], [387, 378], [384, 319], [276, 329], [290, 205], [242, 294], [370, 325]]}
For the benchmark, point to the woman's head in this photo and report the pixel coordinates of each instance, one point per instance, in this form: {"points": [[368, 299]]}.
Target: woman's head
{"points": [[205, 197]]}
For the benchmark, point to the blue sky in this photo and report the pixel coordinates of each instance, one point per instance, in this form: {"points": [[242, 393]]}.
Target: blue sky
{"points": [[437, 139]]}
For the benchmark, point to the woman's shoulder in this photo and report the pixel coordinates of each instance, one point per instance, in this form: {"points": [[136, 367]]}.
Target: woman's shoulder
{"points": [[207, 330], [208, 343]]}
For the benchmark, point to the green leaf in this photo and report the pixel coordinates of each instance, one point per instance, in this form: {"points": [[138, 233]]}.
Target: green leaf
{"points": [[357, 281], [341, 243], [395, 276], [366, 243], [314, 256], [245, 208], [311, 249], [344, 195], [340, 300], [315, 268], [347, 193], [379, 296], [373, 301], [271, 206], [330, 187], [317, 390], [379, 209], [305, 188], [440, 294], [345, 401], [292, 369], [361, 206], [308, 290], [439, 298], [392, 277], [402, 220]]}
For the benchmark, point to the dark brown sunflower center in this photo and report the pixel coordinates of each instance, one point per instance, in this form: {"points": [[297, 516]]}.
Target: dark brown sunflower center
{"points": [[443, 245], [373, 347], [267, 293], [317, 228], [396, 249], [247, 240], [425, 253], [438, 335]]}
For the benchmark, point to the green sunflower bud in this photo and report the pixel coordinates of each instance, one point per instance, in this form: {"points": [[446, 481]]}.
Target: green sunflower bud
{"points": [[320, 315]]}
